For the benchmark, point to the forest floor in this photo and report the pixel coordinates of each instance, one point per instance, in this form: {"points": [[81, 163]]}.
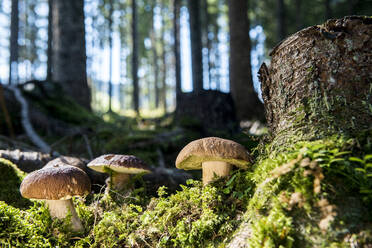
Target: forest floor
{"points": [[305, 194]]}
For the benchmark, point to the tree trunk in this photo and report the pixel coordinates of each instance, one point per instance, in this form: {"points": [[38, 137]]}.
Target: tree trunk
{"points": [[110, 22], [14, 29], [177, 56], [319, 81], [352, 4], [50, 41], [164, 69], [299, 14], [207, 41], [135, 58], [155, 59], [217, 57], [247, 104], [281, 12], [69, 55], [328, 9], [196, 46]]}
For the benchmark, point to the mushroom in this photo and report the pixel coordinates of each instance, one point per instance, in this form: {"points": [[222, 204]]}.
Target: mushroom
{"points": [[119, 167], [57, 186], [65, 160], [97, 179], [215, 156]]}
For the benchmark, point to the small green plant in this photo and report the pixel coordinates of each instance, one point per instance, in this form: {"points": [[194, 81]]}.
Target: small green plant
{"points": [[365, 178]]}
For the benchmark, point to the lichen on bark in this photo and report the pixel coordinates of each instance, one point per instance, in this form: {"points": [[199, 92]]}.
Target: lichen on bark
{"points": [[319, 81]]}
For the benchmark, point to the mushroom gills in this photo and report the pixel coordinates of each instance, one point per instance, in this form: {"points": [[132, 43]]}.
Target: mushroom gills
{"points": [[213, 169], [60, 209]]}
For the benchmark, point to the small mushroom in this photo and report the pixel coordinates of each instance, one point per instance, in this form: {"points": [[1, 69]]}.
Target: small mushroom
{"points": [[57, 185], [119, 167], [215, 156]]}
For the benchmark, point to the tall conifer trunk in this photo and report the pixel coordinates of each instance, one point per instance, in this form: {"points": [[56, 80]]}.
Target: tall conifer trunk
{"points": [[177, 56], [14, 29], [196, 45], [246, 101], [135, 58], [69, 55]]}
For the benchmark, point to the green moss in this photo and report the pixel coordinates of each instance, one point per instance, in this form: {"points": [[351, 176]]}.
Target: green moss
{"points": [[10, 180], [196, 216], [308, 193], [273, 230], [305, 194], [68, 111], [30, 228], [48, 98]]}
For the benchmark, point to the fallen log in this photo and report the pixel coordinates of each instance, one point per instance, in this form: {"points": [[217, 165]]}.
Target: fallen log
{"points": [[27, 161]]}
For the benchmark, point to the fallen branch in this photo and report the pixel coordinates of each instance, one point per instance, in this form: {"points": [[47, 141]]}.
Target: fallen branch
{"points": [[26, 161]]}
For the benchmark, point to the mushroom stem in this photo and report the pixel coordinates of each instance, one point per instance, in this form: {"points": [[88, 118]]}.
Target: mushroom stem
{"points": [[60, 209], [119, 180], [212, 169]]}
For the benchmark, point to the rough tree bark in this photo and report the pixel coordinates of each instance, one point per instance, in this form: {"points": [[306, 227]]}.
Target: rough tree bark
{"points": [[248, 106], [319, 80], [69, 55], [196, 46], [318, 84]]}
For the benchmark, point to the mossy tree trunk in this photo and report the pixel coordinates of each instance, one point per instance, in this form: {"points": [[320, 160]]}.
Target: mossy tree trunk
{"points": [[319, 84], [320, 81]]}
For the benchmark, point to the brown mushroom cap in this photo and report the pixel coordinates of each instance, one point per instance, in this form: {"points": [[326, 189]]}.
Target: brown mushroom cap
{"points": [[198, 151], [55, 183], [128, 164], [65, 160]]}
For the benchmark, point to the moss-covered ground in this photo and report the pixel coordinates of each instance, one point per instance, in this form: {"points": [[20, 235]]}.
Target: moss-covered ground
{"points": [[297, 194], [309, 194]]}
